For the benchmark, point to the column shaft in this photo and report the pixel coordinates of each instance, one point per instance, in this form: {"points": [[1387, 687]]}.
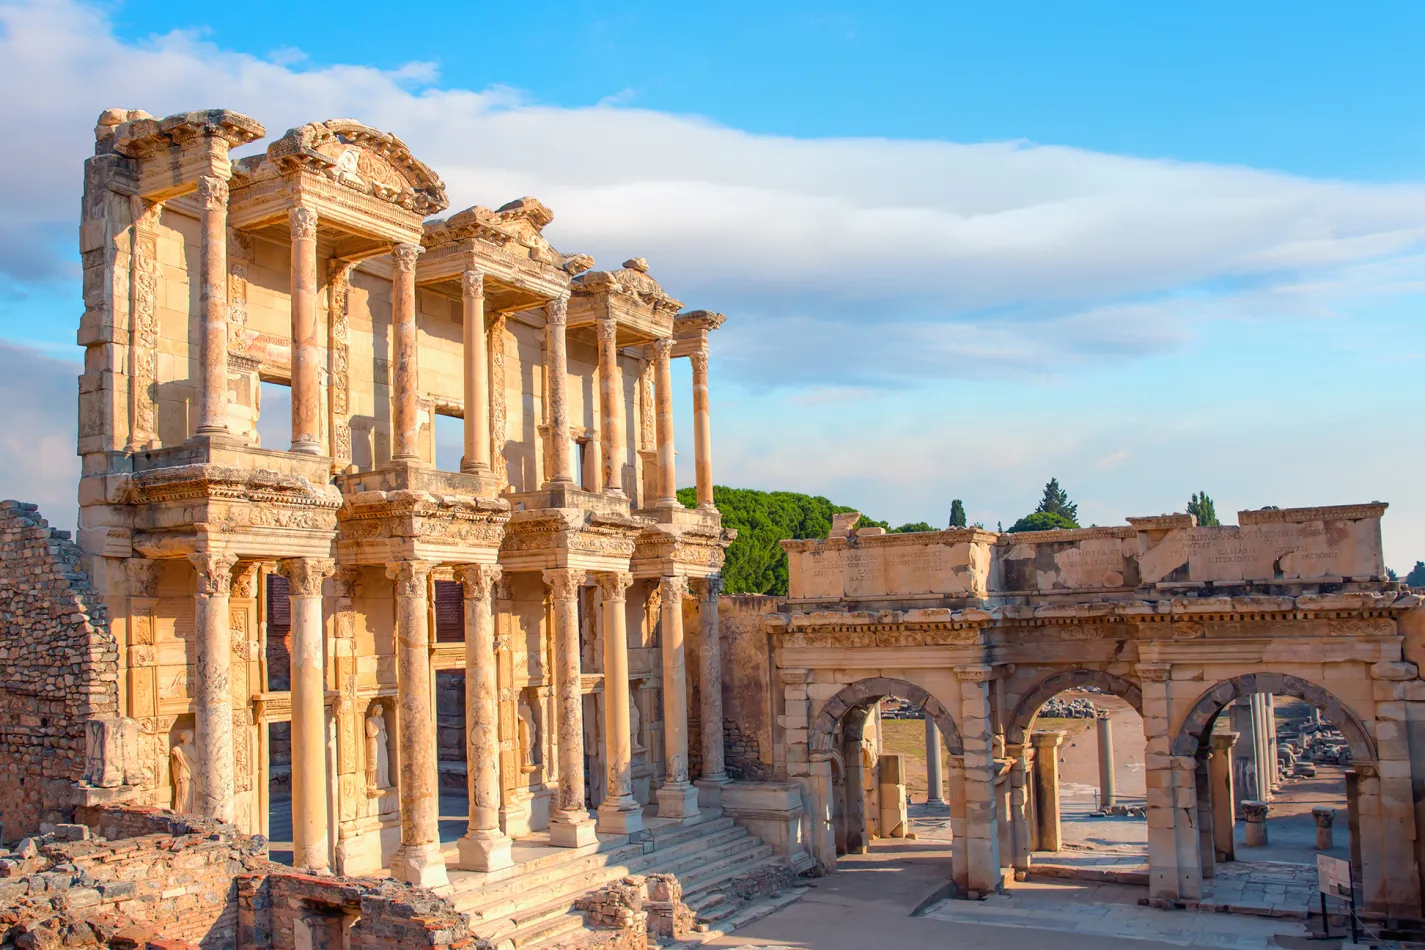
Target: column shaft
{"points": [[1046, 792], [306, 355], [213, 304], [710, 685], [663, 397], [310, 844], [1223, 803], [702, 430], [484, 846], [213, 720], [611, 425], [934, 763], [557, 379], [570, 826], [405, 420], [1019, 813], [1106, 785], [677, 798], [477, 375], [418, 860], [620, 813]]}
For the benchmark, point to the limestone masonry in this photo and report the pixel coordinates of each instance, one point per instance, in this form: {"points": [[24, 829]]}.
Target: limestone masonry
{"points": [[321, 634]]}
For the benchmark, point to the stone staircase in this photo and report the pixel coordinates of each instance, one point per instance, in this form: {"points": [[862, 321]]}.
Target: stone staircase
{"points": [[532, 904]]}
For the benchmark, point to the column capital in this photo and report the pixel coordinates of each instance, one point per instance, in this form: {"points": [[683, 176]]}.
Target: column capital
{"points": [[564, 582], [245, 579], [974, 674], [1223, 741], [663, 348], [303, 222], [305, 574], [607, 328], [404, 256], [479, 580], [556, 310], [347, 579], [674, 587], [212, 193], [410, 576], [710, 587], [472, 283], [614, 585], [215, 572], [1154, 672], [1046, 740], [699, 359], [143, 574]]}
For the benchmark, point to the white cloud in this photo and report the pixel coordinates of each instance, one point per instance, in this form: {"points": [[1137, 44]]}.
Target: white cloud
{"points": [[1034, 256], [37, 457]]}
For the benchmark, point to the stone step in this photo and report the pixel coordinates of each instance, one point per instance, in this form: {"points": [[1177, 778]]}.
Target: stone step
{"points": [[693, 879], [544, 930], [583, 877], [686, 868]]}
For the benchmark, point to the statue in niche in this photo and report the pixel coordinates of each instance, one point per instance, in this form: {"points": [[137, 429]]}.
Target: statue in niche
{"points": [[527, 736], [378, 754], [635, 723], [182, 762]]}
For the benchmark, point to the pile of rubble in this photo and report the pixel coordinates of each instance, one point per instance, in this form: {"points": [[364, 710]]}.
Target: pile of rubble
{"points": [[1057, 708]]}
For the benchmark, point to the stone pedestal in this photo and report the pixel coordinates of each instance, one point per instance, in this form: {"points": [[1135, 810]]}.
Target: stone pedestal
{"points": [[1325, 817], [1046, 788], [418, 860], [310, 842], [620, 813], [483, 847], [212, 694], [1106, 791], [677, 797], [1254, 813], [570, 825], [1221, 791]]}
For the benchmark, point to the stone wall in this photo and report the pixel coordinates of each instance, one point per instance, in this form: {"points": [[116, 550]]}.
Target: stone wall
{"points": [[58, 668], [746, 685]]}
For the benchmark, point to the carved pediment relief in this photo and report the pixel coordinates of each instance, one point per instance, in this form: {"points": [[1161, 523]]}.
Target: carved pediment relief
{"points": [[363, 159]]}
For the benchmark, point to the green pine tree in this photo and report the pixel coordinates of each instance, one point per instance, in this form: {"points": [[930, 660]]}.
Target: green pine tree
{"points": [[1056, 502], [1416, 577], [1201, 505], [957, 514]]}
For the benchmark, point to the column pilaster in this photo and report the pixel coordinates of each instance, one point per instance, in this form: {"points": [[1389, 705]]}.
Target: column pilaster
{"points": [[1223, 806], [557, 379], [306, 365], [484, 847], [477, 375], [677, 797], [981, 818], [1046, 791], [663, 396], [710, 694], [418, 860], [213, 720], [611, 424], [620, 813], [213, 304], [702, 429], [405, 419], [310, 844], [570, 825]]}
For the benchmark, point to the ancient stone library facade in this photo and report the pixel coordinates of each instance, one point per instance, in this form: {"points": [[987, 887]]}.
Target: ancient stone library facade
{"points": [[335, 627]]}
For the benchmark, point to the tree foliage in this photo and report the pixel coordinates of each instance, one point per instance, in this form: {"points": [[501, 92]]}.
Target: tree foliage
{"points": [[1201, 505], [1056, 502], [1416, 577], [1042, 521], [957, 514]]}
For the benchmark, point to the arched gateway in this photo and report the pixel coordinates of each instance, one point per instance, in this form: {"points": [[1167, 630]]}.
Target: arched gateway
{"points": [[1179, 621]]}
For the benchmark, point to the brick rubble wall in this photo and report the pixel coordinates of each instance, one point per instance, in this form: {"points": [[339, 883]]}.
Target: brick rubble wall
{"points": [[58, 668]]}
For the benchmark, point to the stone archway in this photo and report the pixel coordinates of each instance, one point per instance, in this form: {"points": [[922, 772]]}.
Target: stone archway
{"points": [[1055, 683], [864, 692], [1197, 724]]}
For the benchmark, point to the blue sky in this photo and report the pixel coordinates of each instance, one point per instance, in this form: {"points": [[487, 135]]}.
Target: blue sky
{"points": [[963, 247]]}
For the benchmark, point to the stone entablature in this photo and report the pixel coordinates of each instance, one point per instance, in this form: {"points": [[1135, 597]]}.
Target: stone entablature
{"points": [[1276, 550]]}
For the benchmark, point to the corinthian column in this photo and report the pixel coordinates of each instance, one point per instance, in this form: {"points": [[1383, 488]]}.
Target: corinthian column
{"points": [[556, 366], [611, 402], [405, 424], [702, 429], [213, 304], [570, 826], [663, 387], [213, 722], [418, 860], [620, 814], [309, 732], [477, 375], [677, 798], [306, 366], [484, 847], [710, 680]]}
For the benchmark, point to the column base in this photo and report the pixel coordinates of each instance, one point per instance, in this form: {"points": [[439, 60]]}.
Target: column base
{"points": [[620, 817], [678, 800], [572, 829], [307, 448], [710, 791], [420, 864], [484, 851]]}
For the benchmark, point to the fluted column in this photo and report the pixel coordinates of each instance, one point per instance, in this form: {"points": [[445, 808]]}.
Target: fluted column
{"points": [[557, 379], [702, 430], [663, 398], [309, 733], [710, 684], [611, 403], [620, 813], [213, 720], [213, 304], [477, 375], [484, 847], [405, 419], [677, 798], [570, 826], [418, 860], [306, 356]]}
